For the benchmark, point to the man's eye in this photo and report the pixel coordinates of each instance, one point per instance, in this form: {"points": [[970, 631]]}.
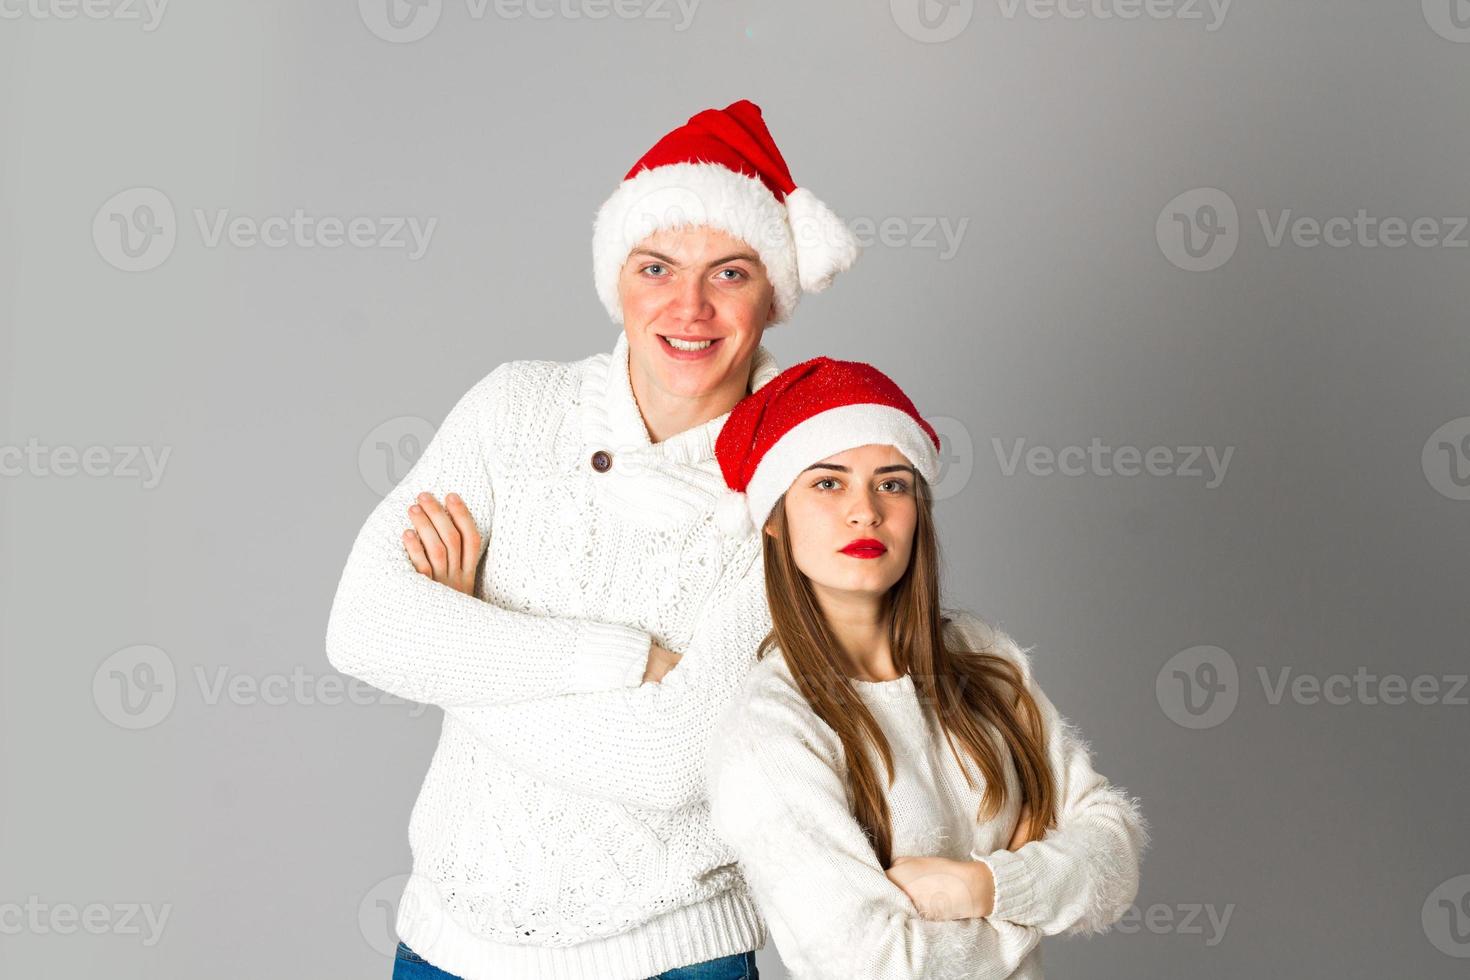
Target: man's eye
{"points": [[738, 272], [654, 266]]}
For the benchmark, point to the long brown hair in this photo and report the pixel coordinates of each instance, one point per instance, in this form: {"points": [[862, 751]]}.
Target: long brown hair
{"points": [[967, 688]]}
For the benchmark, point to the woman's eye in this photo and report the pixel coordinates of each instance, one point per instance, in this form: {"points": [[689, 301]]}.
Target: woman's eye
{"points": [[828, 479], [899, 485]]}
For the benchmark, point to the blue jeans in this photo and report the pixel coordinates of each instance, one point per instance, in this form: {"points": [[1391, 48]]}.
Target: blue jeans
{"points": [[741, 966]]}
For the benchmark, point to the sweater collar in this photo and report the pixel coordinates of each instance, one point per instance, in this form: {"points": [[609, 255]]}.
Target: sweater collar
{"points": [[625, 427]]}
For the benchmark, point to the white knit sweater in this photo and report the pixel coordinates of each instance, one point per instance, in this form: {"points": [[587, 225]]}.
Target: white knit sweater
{"points": [[562, 830], [779, 797]]}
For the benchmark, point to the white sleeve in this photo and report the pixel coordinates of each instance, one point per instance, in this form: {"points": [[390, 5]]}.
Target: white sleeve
{"points": [[643, 746], [780, 805], [424, 641], [1083, 874]]}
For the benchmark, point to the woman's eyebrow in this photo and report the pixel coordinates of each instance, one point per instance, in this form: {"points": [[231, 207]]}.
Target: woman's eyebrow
{"points": [[664, 258], [895, 468]]}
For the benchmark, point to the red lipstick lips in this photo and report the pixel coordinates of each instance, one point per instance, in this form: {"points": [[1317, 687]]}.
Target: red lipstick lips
{"points": [[865, 548]]}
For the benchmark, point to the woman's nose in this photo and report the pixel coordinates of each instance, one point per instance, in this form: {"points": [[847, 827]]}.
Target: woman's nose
{"points": [[864, 511]]}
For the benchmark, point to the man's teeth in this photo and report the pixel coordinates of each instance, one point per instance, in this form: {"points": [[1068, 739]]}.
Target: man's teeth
{"points": [[688, 344]]}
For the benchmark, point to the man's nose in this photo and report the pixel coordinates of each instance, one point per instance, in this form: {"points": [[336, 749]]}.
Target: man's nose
{"points": [[690, 302]]}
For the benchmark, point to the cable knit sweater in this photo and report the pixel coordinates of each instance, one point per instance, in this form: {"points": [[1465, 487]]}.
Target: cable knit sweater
{"points": [[778, 795], [562, 830]]}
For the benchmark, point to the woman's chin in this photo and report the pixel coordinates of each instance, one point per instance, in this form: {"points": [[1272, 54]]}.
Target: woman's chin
{"points": [[871, 585]]}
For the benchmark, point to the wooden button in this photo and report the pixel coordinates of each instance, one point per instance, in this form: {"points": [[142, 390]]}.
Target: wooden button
{"points": [[602, 461]]}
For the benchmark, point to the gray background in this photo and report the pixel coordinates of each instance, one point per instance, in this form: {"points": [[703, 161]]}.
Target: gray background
{"points": [[1337, 540]]}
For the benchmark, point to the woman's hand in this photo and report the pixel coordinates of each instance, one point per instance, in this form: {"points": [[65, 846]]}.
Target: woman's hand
{"points": [[944, 889], [444, 543]]}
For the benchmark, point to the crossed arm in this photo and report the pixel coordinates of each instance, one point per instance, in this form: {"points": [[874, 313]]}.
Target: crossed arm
{"points": [[833, 911], [1083, 873], [779, 803], [411, 636], [563, 699]]}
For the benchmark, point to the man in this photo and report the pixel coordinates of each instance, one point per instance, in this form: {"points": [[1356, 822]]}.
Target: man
{"points": [[562, 829]]}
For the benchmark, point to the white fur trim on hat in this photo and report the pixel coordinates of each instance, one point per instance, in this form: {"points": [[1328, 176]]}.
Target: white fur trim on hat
{"points": [[834, 431], [681, 194]]}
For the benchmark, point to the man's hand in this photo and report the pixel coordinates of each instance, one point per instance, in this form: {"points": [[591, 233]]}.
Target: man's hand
{"points": [[444, 543], [660, 662], [943, 889]]}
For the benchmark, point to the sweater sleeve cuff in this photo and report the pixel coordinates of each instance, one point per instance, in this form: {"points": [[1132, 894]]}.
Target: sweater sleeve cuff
{"points": [[608, 656], [1015, 891]]}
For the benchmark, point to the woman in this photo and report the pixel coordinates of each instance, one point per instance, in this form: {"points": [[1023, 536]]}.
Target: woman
{"points": [[902, 798]]}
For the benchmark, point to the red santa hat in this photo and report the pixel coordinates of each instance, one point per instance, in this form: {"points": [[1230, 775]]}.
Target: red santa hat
{"points": [[810, 411], [722, 169]]}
